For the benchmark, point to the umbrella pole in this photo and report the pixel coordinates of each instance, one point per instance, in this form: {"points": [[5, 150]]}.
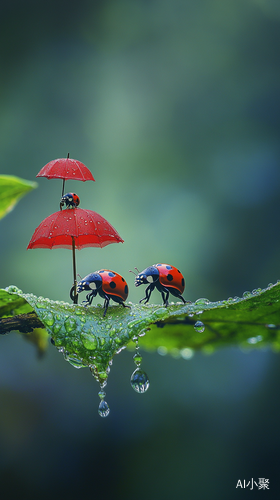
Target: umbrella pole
{"points": [[74, 271], [63, 184]]}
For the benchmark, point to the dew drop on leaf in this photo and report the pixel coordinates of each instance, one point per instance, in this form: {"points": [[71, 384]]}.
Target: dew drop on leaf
{"points": [[202, 302]]}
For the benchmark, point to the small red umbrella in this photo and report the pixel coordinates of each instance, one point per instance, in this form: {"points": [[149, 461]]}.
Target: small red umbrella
{"points": [[66, 168], [74, 228]]}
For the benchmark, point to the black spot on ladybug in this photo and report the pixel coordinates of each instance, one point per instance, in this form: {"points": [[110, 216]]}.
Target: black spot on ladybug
{"points": [[122, 279], [159, 265], [168, 267], [183, 282], [113, 284], [179, 271], [169, 277], [126, 289], [100, 272], [112, 276]]}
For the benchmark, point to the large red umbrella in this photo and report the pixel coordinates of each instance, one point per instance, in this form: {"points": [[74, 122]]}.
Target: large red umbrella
{"points": [[74, 228], [66, 168]]}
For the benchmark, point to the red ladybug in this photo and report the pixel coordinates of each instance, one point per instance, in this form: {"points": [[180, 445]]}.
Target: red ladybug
{"points": [[106, 283], [167, 279], [71, 200]]}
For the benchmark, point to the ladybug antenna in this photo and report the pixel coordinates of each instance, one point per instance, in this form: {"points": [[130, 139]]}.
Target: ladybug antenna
{"points": [[134, 272], [79, 276]]}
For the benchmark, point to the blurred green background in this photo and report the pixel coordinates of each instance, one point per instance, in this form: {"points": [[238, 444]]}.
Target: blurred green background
{"points": [[174, 106]]}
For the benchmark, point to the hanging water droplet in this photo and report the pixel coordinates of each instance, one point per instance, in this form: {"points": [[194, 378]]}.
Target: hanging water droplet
{"points": [[102, 394], [103, 409], [199, 326], [246, 295], [271, 325], [139, 381], [137, 358]]}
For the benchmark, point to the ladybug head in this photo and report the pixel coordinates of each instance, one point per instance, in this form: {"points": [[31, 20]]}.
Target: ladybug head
{"points": [[71, 200], [147, 276], [92, 281]]}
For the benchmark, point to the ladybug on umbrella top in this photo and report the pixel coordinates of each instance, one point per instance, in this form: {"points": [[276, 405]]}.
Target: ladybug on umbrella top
{"points": [[167, 279], [71, 200]]}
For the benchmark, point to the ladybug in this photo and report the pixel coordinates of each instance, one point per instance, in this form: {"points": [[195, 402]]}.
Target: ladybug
{"points": [[71, 200], [106, 283], [167, 279]]}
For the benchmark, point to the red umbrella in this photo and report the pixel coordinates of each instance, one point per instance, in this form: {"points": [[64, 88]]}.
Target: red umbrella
{"points": [[66, 168], [74, 228]]}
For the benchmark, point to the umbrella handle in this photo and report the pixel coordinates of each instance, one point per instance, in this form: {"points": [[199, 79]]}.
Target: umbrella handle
{"points": [[74, 288]]}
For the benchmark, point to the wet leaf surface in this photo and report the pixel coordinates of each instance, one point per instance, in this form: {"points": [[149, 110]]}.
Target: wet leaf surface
{"points": [[87, 339]]}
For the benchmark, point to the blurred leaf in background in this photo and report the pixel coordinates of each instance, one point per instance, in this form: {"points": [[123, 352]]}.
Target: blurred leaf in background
{"points": [[12, 189]]}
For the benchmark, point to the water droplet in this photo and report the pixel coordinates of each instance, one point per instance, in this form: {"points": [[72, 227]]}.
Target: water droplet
{"points": [[75, 361], [89, 341], [246, 295], [199, 326], [103, 409], [139, 381], [121, 349], [13, 289], [142, 334], [271, 325], [48, 318], [137, 358], [102, 394], [70, 324], [202, 302], [256, 291]]}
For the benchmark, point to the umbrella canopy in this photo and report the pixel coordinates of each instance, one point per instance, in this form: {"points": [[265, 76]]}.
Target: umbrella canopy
{"points": [[85, 227], [66, 168]]}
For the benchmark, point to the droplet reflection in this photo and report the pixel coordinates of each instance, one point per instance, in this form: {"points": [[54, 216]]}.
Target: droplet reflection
{"points": [[139, 381], [103, 409]]}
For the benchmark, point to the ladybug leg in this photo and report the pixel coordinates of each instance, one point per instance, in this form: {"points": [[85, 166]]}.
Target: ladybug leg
{"points": [[148, 292], [165, 297], [106, 303], [182, 298], [124, 305], [90, 297]]}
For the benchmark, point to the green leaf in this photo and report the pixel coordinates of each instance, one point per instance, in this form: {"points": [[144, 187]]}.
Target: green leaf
{"points": [[11, 190], [87, 339]]}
